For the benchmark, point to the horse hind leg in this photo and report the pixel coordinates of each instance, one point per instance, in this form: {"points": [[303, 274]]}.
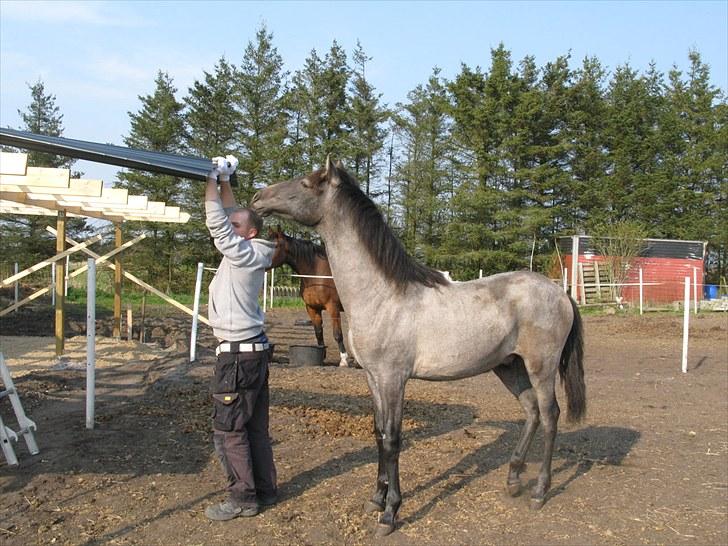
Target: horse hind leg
{"points": [[339, 337], [515, 377], [544, 385]]}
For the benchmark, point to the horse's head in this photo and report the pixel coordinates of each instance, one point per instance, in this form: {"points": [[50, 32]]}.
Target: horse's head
{"points": [[282, 242], [303, 199]]}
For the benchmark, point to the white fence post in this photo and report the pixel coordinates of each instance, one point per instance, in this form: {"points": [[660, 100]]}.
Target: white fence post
{"points": [[686, 322], [695, 290], [480, 275], [195, 312], [65, 279], [566, 282], [17, 285], [641, 291], [53, 284], [90, 342], [271, 288], [265, 290]]}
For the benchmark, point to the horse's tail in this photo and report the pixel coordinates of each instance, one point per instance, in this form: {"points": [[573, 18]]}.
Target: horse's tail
{"points": [[571, 369]]}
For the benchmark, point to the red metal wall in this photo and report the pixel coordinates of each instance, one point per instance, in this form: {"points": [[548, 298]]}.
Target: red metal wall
{"points": [[663, 278]]}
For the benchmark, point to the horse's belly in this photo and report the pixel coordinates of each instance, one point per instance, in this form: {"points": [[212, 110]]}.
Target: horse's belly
{"points": [[448, 367]]}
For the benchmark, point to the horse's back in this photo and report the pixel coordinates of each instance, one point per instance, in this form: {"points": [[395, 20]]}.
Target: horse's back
{"points": [[467, 328]]}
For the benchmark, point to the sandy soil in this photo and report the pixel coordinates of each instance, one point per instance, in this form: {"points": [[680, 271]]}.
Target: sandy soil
{"points": [[648, 466]]}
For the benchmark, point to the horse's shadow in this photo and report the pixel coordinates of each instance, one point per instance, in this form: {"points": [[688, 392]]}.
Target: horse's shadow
{"points": [[575, 454], [577, 451]]}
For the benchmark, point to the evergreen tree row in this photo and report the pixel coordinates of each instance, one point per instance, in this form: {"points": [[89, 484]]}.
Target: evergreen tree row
{"points": [[481, 172]]}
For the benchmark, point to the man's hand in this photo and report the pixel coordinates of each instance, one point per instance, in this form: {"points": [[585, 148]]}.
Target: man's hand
{"points": [[219, 163], [229, 164]]}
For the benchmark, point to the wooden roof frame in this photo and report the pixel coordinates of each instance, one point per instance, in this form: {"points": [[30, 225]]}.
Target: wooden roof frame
{"points": [[45, 191]]}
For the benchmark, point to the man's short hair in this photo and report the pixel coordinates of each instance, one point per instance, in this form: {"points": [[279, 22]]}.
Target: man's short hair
{"points": [[252, 217]]}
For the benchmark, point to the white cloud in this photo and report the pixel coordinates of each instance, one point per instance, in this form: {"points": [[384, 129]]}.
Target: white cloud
{"points": [[79, 13]]}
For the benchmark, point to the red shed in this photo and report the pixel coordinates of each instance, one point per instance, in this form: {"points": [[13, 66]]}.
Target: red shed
{"points": [[664, 263]]}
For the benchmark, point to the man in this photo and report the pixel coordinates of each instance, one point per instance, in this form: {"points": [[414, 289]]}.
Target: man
{"points": [[240, 386]]}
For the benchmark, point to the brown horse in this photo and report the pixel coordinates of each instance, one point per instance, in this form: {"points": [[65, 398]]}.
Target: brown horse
{"points": [[317, 291]]}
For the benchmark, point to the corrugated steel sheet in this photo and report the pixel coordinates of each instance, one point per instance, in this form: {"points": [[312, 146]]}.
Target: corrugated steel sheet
{"points": [[192, 167], [653, 248]]}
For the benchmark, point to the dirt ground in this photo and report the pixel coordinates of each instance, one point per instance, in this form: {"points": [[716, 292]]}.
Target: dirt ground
{"points": [[648, 466]]}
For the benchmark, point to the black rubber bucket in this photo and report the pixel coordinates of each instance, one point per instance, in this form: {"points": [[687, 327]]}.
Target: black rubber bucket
{"points": [[306, 355]]}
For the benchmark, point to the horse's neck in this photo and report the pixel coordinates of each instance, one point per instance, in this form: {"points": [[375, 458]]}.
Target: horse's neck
{"points": [[359, 281]]}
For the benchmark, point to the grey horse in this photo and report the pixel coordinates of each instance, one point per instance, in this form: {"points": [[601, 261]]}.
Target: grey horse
{"points": [[408, 321]]}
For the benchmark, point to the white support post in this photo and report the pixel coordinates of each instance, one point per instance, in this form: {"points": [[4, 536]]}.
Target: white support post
{"points": [[53, 284], [641, 291], [90, 342], [17, 286], [686, 323], [196, 312], [480, 274], [574, 267], [129, 323], [271, 287], [566, 282], [65, 279], [695, 290], [265, 290]]}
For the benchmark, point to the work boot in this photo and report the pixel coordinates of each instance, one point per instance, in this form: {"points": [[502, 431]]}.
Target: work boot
{"points": [[229, 510], [267, 500]]}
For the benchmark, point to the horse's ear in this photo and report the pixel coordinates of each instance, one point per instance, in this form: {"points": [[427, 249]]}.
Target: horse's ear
{"points": [[339, 164], [332, 174]]}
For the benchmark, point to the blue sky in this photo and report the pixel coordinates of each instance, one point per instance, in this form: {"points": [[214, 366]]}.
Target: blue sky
{"points": [[98, 57]]}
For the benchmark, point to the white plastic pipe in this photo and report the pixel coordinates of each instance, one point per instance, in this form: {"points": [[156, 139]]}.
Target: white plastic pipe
{"points": [[90, 343], [271, 287], [17, 285], [265, 289], [641, 291], [196, 312], [686, 323], [695, 290]]}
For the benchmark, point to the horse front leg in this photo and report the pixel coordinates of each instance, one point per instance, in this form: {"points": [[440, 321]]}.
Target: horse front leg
{"points": [[388, 402], [318, 324]]}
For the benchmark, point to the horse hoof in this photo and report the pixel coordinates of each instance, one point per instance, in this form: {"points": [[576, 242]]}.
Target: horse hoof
{"points": [[537, 503], [383, 529], [370, 507], [514, 489]]}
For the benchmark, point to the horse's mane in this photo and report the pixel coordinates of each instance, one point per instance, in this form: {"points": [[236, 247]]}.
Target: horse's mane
{"points": [[304, 252], [381, 244]]}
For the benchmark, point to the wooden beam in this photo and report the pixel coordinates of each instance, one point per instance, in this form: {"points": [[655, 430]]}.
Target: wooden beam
{"points": [[60, 280], [81, 187], [75, 272], [46, 263], [141, 283], [40, 176], [13, 163]]}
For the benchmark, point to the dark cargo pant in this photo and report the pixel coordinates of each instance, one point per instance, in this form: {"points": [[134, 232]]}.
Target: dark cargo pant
{"points": [[241, 404]]}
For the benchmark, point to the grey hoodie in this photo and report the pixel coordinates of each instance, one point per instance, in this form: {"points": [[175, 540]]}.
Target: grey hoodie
{"points": [[233, 309]]}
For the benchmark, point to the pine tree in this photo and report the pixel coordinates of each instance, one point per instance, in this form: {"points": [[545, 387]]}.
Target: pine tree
{"points": [[423, 128], [158, 126], [367, 121], [261, 91], [26, 236]]}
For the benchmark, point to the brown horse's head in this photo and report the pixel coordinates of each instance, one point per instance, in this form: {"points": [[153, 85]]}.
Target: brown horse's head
{"points": [[282, 243]]}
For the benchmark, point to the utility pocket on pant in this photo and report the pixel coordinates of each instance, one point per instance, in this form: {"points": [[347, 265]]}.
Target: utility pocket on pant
{"points": [[249, 367], [225, 407]]}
